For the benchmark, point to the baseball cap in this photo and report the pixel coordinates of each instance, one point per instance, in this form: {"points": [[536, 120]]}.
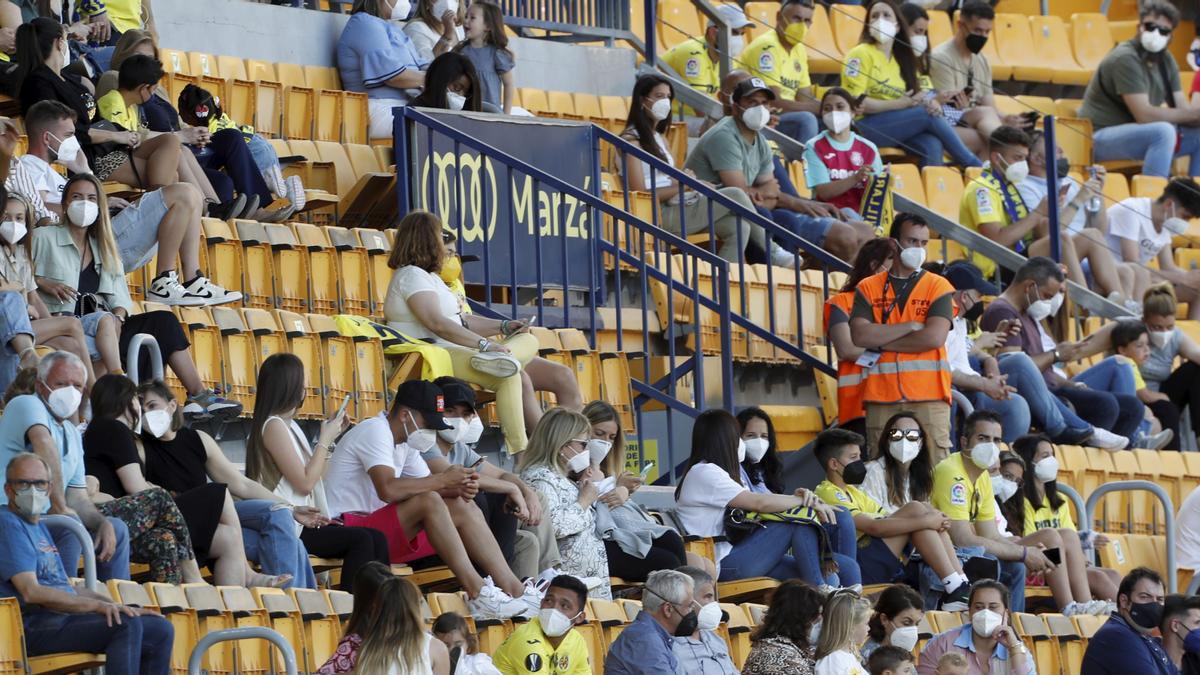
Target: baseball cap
{"points": [[426, 398], [734, 16], [456, 392], [747, 87], [965, 276]]}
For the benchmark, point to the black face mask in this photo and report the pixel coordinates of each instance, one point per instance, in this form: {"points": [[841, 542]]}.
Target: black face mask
{"points": [[975, 42], [1148, 615], [974, 313], [688, 624], [855, 472], [1062, 166]]}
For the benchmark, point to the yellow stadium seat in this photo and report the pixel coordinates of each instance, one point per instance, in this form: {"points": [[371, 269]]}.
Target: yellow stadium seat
{"points": [[535, 101], [678, 20], [337, 360], [354, 271], [1147, 186], [257, 264], [1001, 69], [1074, 136], [610, 616], [944, 621], [206, 344], [322, 77], [1067, 107], [211, 616], [173, 605], [306, 345], [491, 632], [847, 22], [291, 268], [323, 274], [1070, 641], [1014, 44], [355, 117], [1116, 555], [1116, 188], [361, 185], [129, 593], [241, 355], [175, 61], [1049, 35], [739, 626], [370, 387], [906, 180], [562, 104], [341, 602], [1043, 647], [252, 656], [202, 65], [616, 388], [1091, 39], [377, 248], [824, 55], [284, 617], [260, 70], [321, 626], [224, 253], [943, 190], [1025, 7], [940, 29], [1148, 551], [1042, 104], [327, 121]]}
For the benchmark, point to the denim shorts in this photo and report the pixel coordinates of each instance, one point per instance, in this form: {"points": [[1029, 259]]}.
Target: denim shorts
{"points": [[136, 230], [879, 565], [91, 325], [262, 152]]}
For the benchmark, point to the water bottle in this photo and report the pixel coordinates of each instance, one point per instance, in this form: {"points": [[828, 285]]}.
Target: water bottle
{"points": [[1096, 202]]}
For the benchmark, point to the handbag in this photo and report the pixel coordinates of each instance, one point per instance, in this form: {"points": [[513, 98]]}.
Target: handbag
{"points": [[90, 303], [102, 149], [739, 523]]}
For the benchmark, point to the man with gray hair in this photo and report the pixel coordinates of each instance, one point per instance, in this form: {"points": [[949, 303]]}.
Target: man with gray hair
{"points": [[703, 651], [669, 609], [41, 423]]}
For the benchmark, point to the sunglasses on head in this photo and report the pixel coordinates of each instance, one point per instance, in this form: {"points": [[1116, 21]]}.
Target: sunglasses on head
{"points": [[910, 434], [1162, 30]]}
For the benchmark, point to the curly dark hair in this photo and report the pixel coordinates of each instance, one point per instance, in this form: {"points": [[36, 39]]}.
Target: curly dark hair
{"points": [[794, 607]]}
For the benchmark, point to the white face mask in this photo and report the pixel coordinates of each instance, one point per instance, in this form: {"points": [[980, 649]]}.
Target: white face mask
{"points": [[598, 449], [904, 450], [1153, 41], [474, 430], [985, 622], [660, 109], [837, 121], [737, 44], [82, 213], [1004, 488], [709, 616], [157, 422], [985, 455], [442, 6], [66, 53], [756, 448], [554, 623], [741, 451], [458, 429], [64, 401], [578, 463], [883, 30], [919, 44], [455, 100], [814, 633], [401, 10], [1016, 172], [12, 231], [913, 258], [756, 118], [1039, 310], [419, 439], [32, 502], [905, 638], [1046, 470], [1158, 338], [1175, 225], [1056, 303], [68, 149]]}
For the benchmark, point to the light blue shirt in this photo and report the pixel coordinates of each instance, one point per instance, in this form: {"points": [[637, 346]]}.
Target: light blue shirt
{"points": [[372, 51], [707, 656], [1034, 189], [24, 412], [643, 648]]}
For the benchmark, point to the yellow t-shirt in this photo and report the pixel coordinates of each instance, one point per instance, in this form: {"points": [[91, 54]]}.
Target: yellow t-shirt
{"points": [[766, 58], [982, 203], [956, 496], [125, 15], [113, 109], [1139, 382], [527, 652], [1046, 517], [690, 59], [853, 499], [868, 70]]}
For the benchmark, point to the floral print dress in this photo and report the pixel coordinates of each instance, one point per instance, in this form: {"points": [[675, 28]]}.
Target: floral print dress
{"points": [[581, 548]]}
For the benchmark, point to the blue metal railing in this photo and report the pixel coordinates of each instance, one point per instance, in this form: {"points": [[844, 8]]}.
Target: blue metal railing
{"points": [[583, 18]]}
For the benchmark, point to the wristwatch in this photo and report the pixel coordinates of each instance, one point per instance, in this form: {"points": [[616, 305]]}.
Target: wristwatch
{"points": [[1021, 649], [484, 343]]}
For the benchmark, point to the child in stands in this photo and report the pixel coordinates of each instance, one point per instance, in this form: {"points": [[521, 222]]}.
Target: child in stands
{"points": [[486, 44], [465, 658], [843, 629], [892, 661], [952, 664], [839, 163]]}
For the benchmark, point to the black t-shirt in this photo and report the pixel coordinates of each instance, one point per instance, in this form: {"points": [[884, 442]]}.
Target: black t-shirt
{"points": [[89, 282], [43, 85], [160, 115], [109, 445], [177, 465]]}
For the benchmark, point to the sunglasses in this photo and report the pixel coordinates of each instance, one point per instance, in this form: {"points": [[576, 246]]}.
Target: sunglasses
{"points": [[910, 434], [1162, 30]]}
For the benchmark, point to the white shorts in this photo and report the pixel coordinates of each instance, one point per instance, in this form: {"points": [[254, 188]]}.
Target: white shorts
{"points": [[380, 112]]}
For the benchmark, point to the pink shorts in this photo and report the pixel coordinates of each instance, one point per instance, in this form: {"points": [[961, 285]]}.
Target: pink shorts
{"points": [[401, 548]]}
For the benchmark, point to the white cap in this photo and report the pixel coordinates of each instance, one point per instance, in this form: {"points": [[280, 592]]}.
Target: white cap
{"points": [[734, 16]]}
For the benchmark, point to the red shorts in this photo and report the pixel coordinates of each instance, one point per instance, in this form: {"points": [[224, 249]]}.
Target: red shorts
{"points": [[401, 547]]}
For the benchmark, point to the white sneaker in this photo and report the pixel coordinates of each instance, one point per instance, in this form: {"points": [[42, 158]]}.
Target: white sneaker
{"points": [[273, 177], [549, 573], [493, 603], [209, 293], [495, 364], [781, 258], [295, 192], [532, 596], [166, 289], [1075, 608], [1103, 438], [1154, 441]]}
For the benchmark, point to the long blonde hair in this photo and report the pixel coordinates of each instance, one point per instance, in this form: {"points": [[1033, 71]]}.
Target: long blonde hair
{"points": [[557, 427], [599, 412], [100, 232], [394, 634], [1159, 300], [843, 611]]}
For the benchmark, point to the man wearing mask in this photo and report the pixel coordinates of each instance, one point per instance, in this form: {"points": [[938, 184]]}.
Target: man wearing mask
{"points": [[779, 58], [547, 643], [43, 423], [1109, 420], [1140, 229], [669, 609], [901, 318], [1125, 643], [703, 651], [962, 490], [56, 617], [1181, 632], [1135, 99], [697, 61]]}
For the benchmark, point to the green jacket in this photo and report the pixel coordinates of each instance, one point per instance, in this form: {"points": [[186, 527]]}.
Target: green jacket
{"points": [[55, 257]]}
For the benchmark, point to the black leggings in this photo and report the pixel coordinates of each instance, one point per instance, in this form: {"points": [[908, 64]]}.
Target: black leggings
{"points": [[1183, 388], [666, 553], [356, 546]]}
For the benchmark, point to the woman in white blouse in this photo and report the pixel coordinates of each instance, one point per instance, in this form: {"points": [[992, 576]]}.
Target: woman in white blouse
{"points": [[901, 470], [435, 27], [421, 306], [278, 456], [557, 452]]}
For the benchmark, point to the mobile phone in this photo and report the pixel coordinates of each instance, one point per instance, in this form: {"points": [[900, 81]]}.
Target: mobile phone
{"points": [[531, 321], [646, 469], [1053, 555], [476, 464], [345, 404], [859, 101], [968, 90]]}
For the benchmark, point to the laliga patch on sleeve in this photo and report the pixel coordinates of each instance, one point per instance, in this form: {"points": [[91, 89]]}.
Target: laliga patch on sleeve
{"points": [[692, 68], [853, 67], [766, 62], [983, 202], [958, 494]]}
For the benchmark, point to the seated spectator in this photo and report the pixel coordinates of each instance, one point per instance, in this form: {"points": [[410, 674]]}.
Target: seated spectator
{"points": [[56, 617], [901, 470], [1140, 230], [891, 661], [553, 465], [259, 526], [376, 57], [838, 163], [485, 43], [703, 651], [962, 490], [465, 658], [896, 113], [962, 76], [435, 27], [394, 639], [712, 484], [39, 422], [280, 460], [988, 391], [1035, 294], [1121, 374], [898, 611], [550, 638], [1175, 385], [383, 483], [1125, 97], [158, 533], [783, 643], [1181, 617], [669, 608], [451, 83], [107, 20], [779, 58], [422, 307], [988, 635], [1126, 642], [683, 211], [697, 60], [873, 257], [371, 577], [164, 222], [886, 540], [843, 628], [78, 270], [734, 153]]}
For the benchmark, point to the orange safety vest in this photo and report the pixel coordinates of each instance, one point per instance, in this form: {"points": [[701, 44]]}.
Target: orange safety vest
{"points": [[850, 378], [905, 376]]}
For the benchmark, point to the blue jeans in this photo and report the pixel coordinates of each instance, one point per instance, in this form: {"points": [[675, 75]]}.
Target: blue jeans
{"points": [[916, 131], [232, 154], [117, 567], [765, 553], [137, 645], [14, 321], [1013, 411], [1012, 575], [801, 126], [1049, 413], [1108, 402], [1153, 143], [271, 541], [844, 539]]}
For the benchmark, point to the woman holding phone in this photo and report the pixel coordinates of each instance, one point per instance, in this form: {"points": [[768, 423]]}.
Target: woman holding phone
{"points": [[278, 456]]}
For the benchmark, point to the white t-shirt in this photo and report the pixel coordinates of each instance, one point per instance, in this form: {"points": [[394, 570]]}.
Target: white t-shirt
{"points": [[407, 282], [1187, 532], [661, 179], [958, 352], [424, 38], [1130, 219], [840, 662], [45, 178], [368, 444], [706, 491], [316, 497]]}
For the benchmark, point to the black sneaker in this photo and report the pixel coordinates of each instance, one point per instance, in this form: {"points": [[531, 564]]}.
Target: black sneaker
{"points": [[226, 210], [956, 600]]}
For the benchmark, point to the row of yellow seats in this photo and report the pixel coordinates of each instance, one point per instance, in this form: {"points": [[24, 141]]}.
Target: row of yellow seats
{"points": [[1056, 642], [352, 184], [602, 373], [1138, 512]]}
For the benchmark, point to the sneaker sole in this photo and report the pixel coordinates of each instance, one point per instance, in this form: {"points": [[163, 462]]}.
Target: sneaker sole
{"points": [[185, 301], [229, 296], [496, 365], [297, 196]]}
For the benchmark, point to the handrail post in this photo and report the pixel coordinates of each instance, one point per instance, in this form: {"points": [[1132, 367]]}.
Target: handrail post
{"points": [[400, 159], [651, 32], [1052, 189], [136, 343], [248, 633], [80, 532], [1168, 508], [1081, 511]]}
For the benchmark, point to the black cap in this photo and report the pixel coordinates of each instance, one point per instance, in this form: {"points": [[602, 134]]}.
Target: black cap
{"points": [[456, 392], [747, 87], [426, 398], [965, 276]]}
